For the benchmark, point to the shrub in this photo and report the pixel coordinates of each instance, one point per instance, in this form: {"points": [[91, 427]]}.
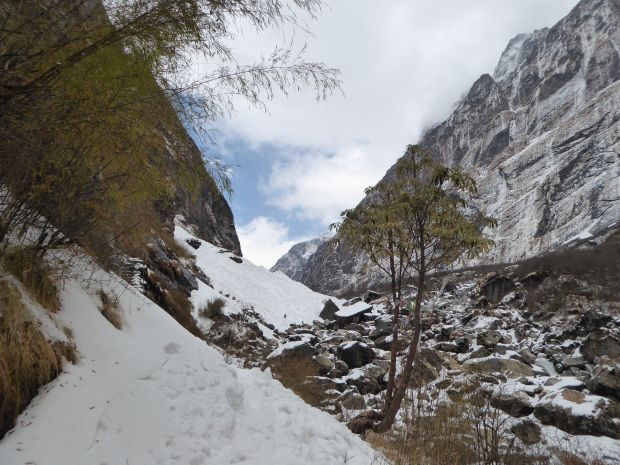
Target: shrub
{"points": [[27, 359], [213, 309], [35, 274], [110, 310]]}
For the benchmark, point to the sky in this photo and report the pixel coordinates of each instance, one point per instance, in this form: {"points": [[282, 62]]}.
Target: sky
{"points": [[404, 66]]}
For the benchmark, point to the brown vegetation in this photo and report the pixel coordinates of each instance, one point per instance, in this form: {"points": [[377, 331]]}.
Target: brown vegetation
{"points": [[35, 274], [110, 310], [28, 360], [213, 308]]}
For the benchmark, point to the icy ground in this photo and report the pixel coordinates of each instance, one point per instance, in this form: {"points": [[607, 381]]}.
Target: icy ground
{"points": [[151, 393]]}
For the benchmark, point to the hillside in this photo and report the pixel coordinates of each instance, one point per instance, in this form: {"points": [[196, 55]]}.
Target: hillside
{"points": [[150, 392]]}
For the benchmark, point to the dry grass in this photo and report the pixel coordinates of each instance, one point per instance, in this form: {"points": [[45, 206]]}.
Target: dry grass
{"points": [[468, 432], [213, 308], [27, 359], [36, 276], [293, 371], [110, 310]]}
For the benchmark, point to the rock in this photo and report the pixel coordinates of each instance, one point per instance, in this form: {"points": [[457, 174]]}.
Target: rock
{"points": [[511, 368], [527, 431], [494, 287], [236, 259], [592, 320], [574, 362], [577, 413], [364, 380], [463, 344], [605, 379], [371, 295], [355, 354], [447, 347], [329, 310], [326, 363], [516, 404], [325, 384], [489, 338], [352, 313], [195, 243], [480, 352], [534, 278], [384, 323], [351, 400], [340, 368], [601, 342], [447, 286], [292, 350]]}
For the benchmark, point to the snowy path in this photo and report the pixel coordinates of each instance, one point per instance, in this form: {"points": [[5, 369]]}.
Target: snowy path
{"points": [[154, 394]]}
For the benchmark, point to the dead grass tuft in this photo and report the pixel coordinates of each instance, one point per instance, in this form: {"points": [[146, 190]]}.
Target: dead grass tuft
{"points": [[36, 276], [213, 308], [27, 359], [110, 310], [293, 372]]}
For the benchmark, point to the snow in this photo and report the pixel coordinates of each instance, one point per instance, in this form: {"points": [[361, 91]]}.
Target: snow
{"points": [[277, 298], [352, 310], [151, 393]]}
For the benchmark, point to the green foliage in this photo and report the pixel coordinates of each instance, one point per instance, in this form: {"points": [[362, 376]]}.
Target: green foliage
{"points": [[417, 220], [88, 109]]}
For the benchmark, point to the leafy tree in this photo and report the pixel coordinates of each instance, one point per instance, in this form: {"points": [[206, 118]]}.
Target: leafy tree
{"points": [[88, 96], [413, 224]]}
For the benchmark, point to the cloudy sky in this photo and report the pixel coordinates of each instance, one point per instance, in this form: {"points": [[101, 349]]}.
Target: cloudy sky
{"points": [[404, 65]]}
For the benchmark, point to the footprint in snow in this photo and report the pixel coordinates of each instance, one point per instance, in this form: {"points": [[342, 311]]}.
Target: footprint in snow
{"points": [[172, 348]]}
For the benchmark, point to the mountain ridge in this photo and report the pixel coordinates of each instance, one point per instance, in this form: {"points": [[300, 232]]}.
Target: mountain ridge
{"points": [[540, 136]]}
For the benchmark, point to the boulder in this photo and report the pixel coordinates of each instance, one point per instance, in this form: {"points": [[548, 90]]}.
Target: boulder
{"points": [[355, 354], [516, 404], [578, 413], [605, 379], [194, 243], [364, 380], [511, 368], [329, 310], [489, 338], [352, 313], [447, 347], [480, 352], [326, 363], [601, 342], [351, 400], [340, 368], [494, 287], [384, 323], [527, 431], [371, 295], [592, 320]]}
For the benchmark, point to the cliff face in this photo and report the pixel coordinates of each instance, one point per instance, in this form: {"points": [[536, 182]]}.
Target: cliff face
{"points": [[542, 138]]}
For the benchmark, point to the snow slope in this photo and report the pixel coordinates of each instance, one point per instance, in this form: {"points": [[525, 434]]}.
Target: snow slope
{"points": [[152, 393], [277, 298]]}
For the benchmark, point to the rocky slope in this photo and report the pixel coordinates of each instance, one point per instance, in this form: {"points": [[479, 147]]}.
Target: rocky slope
{"points": [[542, 138], [535, 344]]}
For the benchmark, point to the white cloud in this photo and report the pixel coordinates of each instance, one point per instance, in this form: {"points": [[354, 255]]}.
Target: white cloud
{"points": [[404, 65], [264, 240]]}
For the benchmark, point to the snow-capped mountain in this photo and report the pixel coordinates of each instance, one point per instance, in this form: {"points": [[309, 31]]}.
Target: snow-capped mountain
{"points": [[295, 261], [541, 136]]}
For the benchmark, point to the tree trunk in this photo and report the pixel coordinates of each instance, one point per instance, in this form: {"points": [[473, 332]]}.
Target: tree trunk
{"points": [[393, 350], [391, 410]]}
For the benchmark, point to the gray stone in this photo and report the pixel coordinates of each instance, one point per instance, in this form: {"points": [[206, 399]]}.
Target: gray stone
{"points": [[511, 368], [527, 431], [601, 342], [356, 354], [605, 379]]}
